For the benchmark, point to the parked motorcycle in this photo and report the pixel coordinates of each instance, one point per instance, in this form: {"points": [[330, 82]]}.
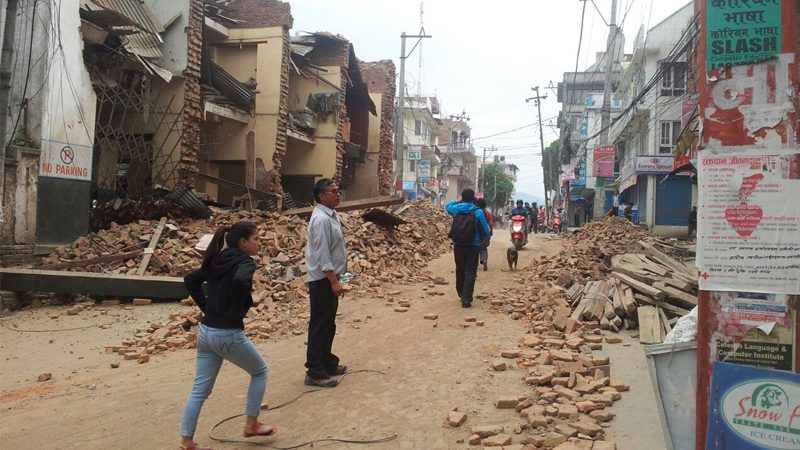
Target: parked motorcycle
{"points": [[519, 231]]}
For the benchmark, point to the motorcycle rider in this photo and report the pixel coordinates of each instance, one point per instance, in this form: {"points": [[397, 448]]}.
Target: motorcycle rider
{"points": [[521, 211]]}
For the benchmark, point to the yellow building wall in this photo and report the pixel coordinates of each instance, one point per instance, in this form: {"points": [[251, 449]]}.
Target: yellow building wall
{"points": [[258, 55], [320, 158], [366, 182]]}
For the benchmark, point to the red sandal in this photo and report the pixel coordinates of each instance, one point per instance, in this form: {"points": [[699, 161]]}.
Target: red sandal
{"points": [[259, 429], [193, 446]]}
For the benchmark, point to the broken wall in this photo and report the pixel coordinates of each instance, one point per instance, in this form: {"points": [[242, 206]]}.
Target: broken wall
{"points": [[18, 230], [380, 78]]}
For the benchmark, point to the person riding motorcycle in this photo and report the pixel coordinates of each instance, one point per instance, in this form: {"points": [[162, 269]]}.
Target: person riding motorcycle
{"points": [[521, 211]]}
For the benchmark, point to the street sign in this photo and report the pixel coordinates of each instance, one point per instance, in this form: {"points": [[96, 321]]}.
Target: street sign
{"points": [[414, 156]]}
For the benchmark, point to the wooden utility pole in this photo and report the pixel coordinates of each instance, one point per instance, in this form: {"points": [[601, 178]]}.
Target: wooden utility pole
{"points": [[6, 66]]}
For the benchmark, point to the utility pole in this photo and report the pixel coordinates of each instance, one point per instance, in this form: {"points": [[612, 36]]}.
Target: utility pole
{"points": [[537, 99], [605, 112], [483, 168], [401, 102], [6, 65]]}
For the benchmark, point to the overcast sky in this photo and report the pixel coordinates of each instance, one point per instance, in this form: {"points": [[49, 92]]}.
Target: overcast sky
{"points": [[484, 57]]}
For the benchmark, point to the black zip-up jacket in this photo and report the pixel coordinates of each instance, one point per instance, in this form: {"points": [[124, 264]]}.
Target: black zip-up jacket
{"points": [[230, 281]]}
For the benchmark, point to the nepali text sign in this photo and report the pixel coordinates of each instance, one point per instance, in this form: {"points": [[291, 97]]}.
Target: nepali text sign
{"points": [[604, 161], [654, 165], [64, 160], [425, 168], [749, 223], [627, 174], [753, 409], [742, 31]]}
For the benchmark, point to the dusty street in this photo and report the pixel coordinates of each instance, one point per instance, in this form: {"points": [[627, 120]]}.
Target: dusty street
{"points": [[430, 367]]}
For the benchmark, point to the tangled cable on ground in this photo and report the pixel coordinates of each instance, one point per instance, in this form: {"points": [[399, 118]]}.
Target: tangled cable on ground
{"points": [[3, 322], [303, 444]]}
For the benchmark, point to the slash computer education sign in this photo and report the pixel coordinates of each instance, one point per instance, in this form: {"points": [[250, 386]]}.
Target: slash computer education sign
{"points": [[753, 408], [742, 31]]}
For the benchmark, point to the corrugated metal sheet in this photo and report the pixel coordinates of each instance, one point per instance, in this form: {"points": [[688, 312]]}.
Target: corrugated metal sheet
{"points": [[215, 76], [142, 44], [135, 10]]}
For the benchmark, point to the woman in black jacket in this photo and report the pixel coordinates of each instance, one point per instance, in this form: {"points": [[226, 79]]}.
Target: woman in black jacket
{"points": [[229, 273]]}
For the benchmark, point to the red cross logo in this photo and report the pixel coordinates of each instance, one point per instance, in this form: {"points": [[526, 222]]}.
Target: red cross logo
{"points": [[705, 275]]}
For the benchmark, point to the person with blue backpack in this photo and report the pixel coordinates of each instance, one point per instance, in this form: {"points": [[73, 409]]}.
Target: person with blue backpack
{"points": [[469, 230]]}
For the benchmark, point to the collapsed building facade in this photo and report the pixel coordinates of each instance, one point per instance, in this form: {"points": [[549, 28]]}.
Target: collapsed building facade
{"points": [[211, 99]]}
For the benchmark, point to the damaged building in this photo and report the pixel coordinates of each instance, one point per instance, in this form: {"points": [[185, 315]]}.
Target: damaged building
{"points": [[215, 100]]}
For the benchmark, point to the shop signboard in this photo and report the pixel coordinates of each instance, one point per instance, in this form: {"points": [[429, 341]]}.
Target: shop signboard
{"points": [[654, 165], [753, 408], [742, 32]]}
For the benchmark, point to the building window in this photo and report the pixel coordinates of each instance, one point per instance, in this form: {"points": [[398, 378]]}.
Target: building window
{"points": [[673, 82], [454, 138], [669, 136], [412, 166], [418, 127]]}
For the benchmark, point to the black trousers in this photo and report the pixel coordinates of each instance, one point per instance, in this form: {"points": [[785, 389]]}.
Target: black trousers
{"points": [[321, 329], [466, 257]]}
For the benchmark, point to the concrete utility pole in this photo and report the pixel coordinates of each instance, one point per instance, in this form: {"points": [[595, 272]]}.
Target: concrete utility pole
{"points": [[6, 64], [483, 168], [399, 131], [605, 112], [538, 99]]}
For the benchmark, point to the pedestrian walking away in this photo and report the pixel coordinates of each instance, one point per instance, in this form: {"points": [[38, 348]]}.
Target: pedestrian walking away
{"points": [[229, 274], [483, 257], [468, 230], [326, 260], [692, 229]]}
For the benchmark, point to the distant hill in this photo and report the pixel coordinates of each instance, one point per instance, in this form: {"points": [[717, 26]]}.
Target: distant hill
{"points": [[524, 196]]}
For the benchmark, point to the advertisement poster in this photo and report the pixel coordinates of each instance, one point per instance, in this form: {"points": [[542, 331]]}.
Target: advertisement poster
{"points": [[62, 160], [604, 161], [742, 31], [753, 408], [424, 170], [748, 234]]}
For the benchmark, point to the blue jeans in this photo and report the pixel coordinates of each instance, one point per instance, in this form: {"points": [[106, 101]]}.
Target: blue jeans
{"points": [[213, 346], [484, 255]]}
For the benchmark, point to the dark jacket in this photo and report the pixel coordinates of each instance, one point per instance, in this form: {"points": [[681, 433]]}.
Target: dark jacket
{"points": [[230, 281]]}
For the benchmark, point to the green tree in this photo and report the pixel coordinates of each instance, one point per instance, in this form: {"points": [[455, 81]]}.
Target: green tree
{"points": [[497, 187], [551, 166]]}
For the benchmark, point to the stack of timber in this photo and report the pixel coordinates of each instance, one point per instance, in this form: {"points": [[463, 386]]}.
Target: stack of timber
{"points": [[614, 274]]}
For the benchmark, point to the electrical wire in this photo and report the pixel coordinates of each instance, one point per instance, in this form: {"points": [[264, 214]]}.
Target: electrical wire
{"points": [[303, 444], [27, 73]]}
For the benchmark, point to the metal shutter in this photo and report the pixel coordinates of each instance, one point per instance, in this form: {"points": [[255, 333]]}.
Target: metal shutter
{"points": [[673, 200]]}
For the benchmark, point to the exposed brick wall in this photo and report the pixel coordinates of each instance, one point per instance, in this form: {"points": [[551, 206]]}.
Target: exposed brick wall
{"points": [[16, 255], [260, 13], [379, 77], [274, 182], [193, 104], [340, 115]]}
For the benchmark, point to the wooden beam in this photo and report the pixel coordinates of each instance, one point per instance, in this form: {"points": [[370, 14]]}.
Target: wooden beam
{"points": [[639, 286], [351, 205], [91, 261], [148, 252], [32, 280]]}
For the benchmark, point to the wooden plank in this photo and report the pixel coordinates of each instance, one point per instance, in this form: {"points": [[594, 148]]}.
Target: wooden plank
{"points": [[649, 325], [653, 266], [91, 261], [643, 299], [609, 312], [148, 252], [92, 283], [628, 301], [685, 300], [616, 299], [664, 322], [601, 299], [351, 205], [682, 285], [664, 259], [639, 286]]}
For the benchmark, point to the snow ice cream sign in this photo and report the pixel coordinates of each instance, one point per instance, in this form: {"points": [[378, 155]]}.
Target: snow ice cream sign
{"points": [[766, 413]]}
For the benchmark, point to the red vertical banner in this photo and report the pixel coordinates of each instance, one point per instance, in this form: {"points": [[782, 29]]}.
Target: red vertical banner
{"points": [[748, 110], [604, 161]]}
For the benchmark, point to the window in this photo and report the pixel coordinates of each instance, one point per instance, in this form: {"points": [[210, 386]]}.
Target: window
{"points": [[418, 127], [454, 139], [412, 166], [673, 82], [669, 136]]}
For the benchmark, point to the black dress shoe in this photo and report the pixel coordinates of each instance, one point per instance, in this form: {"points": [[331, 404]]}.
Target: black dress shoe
{"points": [[321, 382], [339, 370]]}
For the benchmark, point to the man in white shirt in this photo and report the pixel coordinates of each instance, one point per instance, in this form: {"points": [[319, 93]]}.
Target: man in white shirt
{"points": [[326, 259]]}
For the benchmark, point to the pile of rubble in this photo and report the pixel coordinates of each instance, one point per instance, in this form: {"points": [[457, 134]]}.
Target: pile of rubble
{"points": [[570, 386], [612, 273], [376, 255]]}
